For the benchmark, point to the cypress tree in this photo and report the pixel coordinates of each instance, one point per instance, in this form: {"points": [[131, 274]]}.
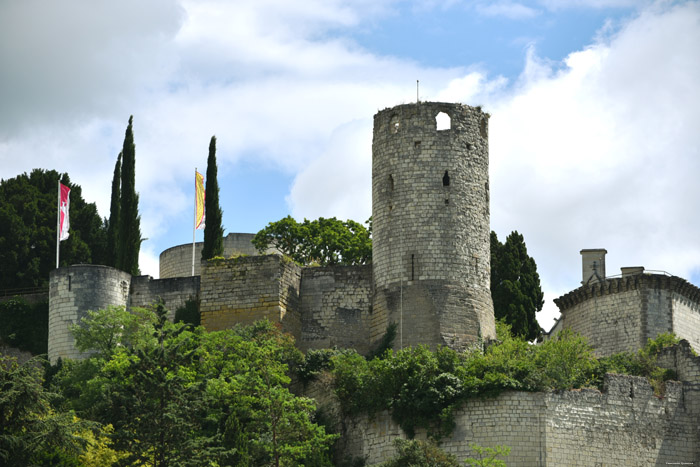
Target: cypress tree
{"points": [[213, 230], [129, 232], [113, 226], [515, 286]]}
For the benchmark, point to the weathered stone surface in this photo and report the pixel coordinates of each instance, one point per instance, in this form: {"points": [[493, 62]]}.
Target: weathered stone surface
{"points": [[430, 210], [620, 314]]}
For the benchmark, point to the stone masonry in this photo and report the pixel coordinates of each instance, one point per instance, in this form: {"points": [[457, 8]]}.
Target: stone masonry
{"points": [[626, 424], [620, 314], [72, 292], [430, 210]]}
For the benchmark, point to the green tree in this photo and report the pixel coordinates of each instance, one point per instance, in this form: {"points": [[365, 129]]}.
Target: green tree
{"points": [[113, 223], [25, 325], [129, 232], [325, 242], [416, 453], [515, 286], [31, 432], [28, 205], [176, 394], [488, 456], [213, 230]]}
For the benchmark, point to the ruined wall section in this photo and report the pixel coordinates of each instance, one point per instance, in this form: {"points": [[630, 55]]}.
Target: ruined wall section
{"points": [[625, 425], [146, 291], [620, 314], [250, 288], [430, 208], [336, 308], [177, 261], [72, 292]]}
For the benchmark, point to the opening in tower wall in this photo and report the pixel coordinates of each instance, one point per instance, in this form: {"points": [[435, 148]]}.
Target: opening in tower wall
{"points": [[443, 121]]}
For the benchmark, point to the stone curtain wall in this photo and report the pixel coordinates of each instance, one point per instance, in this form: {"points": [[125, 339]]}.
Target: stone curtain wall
{"points": [[72, 292], [430, 208], [177, 261], [336, 307], [625, 425], [146, 291], [247, 289], [686, 319], [622, 313]]}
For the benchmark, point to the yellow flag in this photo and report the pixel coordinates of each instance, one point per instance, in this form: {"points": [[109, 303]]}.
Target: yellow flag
{"points": [[200, 195]]}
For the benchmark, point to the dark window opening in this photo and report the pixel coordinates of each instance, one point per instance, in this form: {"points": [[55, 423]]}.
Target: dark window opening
{"points": [[413, 266], [391, 182], [447, 201], [416, 144], [70, 283], [446, 179]]}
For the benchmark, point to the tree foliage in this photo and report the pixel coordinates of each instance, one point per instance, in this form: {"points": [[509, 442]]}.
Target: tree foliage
{"points": [[24, 325], [176, 395], [31, 432], [325, 242], [129, 231], [416, 453], [515, 285], [28, 205], [213, 230]]}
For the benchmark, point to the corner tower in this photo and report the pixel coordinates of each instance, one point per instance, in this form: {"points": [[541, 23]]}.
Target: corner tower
{"points": [[430, 209]]}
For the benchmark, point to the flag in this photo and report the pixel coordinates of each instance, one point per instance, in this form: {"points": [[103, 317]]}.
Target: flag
{"points": [[64, 205], [199, 201]]}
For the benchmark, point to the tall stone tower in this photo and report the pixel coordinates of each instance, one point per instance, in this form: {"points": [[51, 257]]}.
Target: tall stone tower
{"points": [[430, 208]]}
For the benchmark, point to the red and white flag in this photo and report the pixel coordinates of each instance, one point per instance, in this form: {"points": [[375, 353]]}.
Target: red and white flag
{"points": [[64, 205]]}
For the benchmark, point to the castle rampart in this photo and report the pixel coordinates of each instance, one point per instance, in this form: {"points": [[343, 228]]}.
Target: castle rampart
{"points": [[250, 288], [626, 424], [177, 261], [620, 314], [430, 208], [174, 292], [75, 290], [336, 307]]}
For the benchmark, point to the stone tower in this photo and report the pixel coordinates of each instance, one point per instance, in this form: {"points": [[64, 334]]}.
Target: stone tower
{"points": [[72, 292], [430, 208]]}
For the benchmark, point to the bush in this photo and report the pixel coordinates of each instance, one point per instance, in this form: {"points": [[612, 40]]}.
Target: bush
{"points": [[189, 313], [415, 453]]}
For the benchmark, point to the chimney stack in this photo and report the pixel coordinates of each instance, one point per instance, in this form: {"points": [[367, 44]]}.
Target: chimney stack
{"points": [[593, 265]]}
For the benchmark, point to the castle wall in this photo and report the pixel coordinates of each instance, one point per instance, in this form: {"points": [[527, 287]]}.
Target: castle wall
{"points": [[145, 291], [73, 291], [177, 261], [430, 208], [336, 308], [625, 425], [620, 314], [686, 319], [247, 289]]}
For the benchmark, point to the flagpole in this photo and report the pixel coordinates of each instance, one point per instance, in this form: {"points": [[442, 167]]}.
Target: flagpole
{"points": [[58, 222], [194, 222]]}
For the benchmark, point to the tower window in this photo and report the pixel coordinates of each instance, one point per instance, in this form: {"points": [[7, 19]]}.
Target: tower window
{"points": [[446, 179], [443, 121], [391, 182], [394, 124]]}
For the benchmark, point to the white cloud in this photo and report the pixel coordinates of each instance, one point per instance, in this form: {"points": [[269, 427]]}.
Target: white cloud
{"points": [[507, 9]]}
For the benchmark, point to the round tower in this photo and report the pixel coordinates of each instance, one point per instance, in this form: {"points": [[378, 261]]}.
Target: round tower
{"points": [[430, 210], [72, 292]]}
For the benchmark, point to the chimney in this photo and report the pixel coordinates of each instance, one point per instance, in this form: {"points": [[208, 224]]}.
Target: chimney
{"points": [[632, 270], [593, 265]]}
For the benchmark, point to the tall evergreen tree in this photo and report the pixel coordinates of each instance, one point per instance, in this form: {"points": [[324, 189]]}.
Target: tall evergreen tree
{"points": [[213, 230], [113, 226], [515, 286], [129, 232]]}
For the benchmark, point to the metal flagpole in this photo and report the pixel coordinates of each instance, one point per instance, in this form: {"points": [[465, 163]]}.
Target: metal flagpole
{"points": [[194, 222], [58, 222]]}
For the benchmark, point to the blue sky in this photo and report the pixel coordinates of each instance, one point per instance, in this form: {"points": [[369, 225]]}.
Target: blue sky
{"points": [[593, 134]]}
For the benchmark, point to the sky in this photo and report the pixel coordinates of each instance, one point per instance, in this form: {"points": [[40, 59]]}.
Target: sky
{"points": [[594, 129]]}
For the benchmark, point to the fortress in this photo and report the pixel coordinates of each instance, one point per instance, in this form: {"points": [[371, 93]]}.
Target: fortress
{"points": [[430, 275]]}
